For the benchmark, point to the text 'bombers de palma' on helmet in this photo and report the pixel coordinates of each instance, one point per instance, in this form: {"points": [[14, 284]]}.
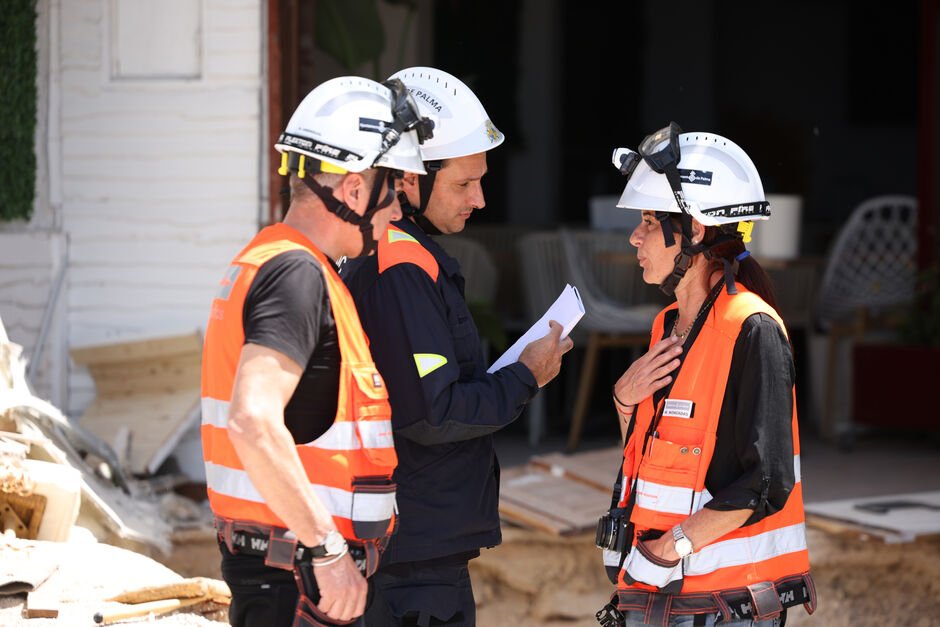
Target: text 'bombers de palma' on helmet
{"points": [[348, 123], [461, 125], [719, 182]]}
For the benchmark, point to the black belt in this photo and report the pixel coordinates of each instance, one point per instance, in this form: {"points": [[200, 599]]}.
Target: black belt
{"points": [[760, 601], [258, 544], [276, 544]]}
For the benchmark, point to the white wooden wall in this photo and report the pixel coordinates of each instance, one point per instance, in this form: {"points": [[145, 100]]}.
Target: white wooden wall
{"points": [[159, 124]]}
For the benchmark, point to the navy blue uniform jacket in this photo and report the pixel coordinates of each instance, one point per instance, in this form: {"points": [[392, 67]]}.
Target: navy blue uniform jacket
{"points": [[445, 407]]}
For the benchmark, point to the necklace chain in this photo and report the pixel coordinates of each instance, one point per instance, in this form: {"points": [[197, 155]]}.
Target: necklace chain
{"points": [[708, 302]]}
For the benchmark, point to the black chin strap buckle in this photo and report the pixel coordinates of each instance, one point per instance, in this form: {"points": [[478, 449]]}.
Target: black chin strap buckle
{"points": [[681, 266]]}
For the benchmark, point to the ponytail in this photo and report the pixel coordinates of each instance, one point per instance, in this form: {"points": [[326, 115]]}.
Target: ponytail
{"points": [[750, 273]]}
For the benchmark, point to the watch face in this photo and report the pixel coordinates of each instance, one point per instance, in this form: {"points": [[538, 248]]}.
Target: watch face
{"points": [[684, 547], [334, 543]]}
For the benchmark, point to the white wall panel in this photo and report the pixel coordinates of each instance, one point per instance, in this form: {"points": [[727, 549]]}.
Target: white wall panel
{"points": [[160, 131]]}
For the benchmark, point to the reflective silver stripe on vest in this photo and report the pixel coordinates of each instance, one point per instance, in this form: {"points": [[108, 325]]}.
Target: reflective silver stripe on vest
{"points": [[750, 550], [342, 435], [339, 437], [214, 412], [370, 507], [677, 500], [663, 498], [741, 551], [611, 558]]}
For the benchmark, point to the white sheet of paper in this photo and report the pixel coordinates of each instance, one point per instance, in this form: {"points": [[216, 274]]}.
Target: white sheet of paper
{"points": [[566, 311]]}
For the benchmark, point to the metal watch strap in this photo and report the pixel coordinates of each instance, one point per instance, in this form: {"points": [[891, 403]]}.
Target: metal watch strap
{"points": [[678, 536]]}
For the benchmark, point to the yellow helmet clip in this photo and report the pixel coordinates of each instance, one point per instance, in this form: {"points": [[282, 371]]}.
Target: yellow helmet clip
{"points": [[745, 228], [283, 171]]}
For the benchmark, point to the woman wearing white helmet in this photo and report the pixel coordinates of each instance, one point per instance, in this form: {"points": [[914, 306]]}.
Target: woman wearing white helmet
{"points": [[445, 406], [707, 517], [278, 392]]}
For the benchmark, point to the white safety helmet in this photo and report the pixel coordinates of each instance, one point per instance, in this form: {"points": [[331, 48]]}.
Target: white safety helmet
{"points": [[719, 182], [461, 125], [350, 124]]}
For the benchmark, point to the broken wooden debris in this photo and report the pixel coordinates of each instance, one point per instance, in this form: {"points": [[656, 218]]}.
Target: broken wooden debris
{"points": [[559, 494], [146, 395], [892, 518]]}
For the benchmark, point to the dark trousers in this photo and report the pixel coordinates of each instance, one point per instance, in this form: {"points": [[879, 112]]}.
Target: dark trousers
{"points": [[433, 593], [263, 596]]}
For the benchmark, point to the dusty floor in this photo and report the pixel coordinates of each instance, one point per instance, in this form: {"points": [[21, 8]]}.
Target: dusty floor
{"points": [[537, 579]]}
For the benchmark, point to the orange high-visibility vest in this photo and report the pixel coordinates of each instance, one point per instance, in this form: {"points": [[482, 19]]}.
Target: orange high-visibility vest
{"points": [[350, 466], [669, 479]]}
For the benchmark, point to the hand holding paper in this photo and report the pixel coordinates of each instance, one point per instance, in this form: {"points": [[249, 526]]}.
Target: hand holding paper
{"points": [[567, 310]]}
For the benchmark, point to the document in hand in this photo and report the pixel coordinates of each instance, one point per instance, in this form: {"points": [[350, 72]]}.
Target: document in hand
{"points": [[566, 311]]}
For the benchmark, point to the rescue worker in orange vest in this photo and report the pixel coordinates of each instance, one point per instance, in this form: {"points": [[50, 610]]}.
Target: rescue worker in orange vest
{"points": [[707, 521], [445, 407], [295, 417]]}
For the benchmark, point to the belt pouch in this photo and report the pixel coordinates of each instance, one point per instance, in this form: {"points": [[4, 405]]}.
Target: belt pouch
{"points": [[765, 600]]}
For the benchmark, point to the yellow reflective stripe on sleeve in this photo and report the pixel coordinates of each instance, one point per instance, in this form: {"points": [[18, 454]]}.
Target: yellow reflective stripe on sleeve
{"points": [[395, 235], [428, 363]]}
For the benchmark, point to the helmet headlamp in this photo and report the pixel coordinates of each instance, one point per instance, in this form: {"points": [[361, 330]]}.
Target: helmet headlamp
{"points": [[405, 117]]}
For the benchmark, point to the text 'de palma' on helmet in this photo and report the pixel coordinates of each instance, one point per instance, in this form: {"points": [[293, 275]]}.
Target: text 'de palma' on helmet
{"points": [[461, 124]]}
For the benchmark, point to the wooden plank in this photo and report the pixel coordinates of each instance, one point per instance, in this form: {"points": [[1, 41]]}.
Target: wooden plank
{"points": [[28, 509], [894, 517], [596, 468], [43, 601], [535, 497], [149, 388], [157, 375], [156, 423], [149, 349]]}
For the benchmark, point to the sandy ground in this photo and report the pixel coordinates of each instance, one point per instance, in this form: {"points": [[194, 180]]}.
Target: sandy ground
{"points": [[537, 579]]}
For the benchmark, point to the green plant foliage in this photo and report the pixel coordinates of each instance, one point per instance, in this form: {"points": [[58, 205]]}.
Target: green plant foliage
{"points": [[17, 109], [350, 31]]}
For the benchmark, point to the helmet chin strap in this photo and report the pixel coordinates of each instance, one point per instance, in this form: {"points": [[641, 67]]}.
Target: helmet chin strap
{"points": [[425, 187], [688, 250], [344, 213], [683, 261]]}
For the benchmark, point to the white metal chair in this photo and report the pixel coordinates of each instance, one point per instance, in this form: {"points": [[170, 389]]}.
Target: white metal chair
{"points": [[542, 278], [478, 269], [873, 262], [606, 323], [871, 269]]}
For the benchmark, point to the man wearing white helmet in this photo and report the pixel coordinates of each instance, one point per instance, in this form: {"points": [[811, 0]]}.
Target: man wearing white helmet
{"points": [[295, 418], [707, 517], [445, 407]]}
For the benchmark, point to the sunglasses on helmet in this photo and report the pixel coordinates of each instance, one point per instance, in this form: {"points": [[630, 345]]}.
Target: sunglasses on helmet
{"points": [[661, 153]]}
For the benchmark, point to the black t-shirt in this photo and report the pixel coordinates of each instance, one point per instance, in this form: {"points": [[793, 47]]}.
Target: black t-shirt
{"points": [[753, 465], [287, 309]]}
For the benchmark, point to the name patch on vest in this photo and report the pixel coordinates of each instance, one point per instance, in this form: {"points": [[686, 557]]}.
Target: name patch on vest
{"points": [[678, 408]]}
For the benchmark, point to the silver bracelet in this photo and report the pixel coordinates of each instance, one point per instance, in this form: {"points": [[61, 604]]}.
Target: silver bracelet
{"points": [[333, 559]]}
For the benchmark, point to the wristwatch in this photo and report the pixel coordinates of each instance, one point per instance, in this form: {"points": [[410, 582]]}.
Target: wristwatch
{"points": [[333, 544], [683, 545]]}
